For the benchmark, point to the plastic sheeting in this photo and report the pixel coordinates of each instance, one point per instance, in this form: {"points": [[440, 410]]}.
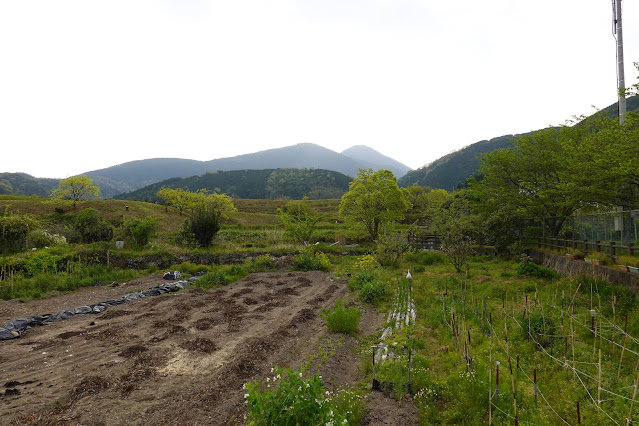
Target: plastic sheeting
{"points": [[15, 328]]}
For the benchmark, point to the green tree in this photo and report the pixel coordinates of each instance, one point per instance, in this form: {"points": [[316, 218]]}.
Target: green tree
{"points": [[299, 220], [14, 229], [75, 188], [373, 199], [177, 198], [203, 225], [91, 227], [141, 230], [206, 210], [535, 178], [426, 203]]}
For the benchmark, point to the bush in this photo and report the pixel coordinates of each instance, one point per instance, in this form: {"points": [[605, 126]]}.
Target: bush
{"points": [[309, 260], [342, 319], [263, 263], [141, 230], [40, 238], [531, 269], [371, 289], [204, 224], [91, 227], [389, 251], [14, 230], [424, 258], [290, 399]]}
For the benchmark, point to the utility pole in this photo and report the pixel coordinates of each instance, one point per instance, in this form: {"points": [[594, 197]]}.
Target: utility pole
{"points": [[616, 14]]}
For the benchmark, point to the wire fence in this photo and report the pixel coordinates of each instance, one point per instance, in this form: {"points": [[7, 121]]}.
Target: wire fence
{"points": [[619, 226]]}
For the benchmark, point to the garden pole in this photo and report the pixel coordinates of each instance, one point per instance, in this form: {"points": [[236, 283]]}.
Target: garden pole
{"points": [[623, 347], [632, 403], [578, 414], [497, 383], [490, 372], [599, 383], [535, 381]]}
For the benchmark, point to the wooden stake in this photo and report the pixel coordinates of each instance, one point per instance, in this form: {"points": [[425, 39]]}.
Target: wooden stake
{"points": [[623, 347], [578, 414], [490, 396], [535, 381], [599, 383], [632, 403]]}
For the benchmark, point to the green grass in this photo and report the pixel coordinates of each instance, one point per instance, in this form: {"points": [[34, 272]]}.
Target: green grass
{"points": [[447, 390]]}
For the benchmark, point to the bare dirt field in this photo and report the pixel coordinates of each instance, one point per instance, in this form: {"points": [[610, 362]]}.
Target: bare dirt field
{"points": [[176, 359]]}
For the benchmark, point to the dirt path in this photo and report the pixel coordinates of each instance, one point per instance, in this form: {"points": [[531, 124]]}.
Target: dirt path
{"points": [[174, 359]]}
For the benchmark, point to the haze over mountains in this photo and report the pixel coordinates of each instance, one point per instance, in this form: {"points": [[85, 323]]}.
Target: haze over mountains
{"points": [[137, 174]]}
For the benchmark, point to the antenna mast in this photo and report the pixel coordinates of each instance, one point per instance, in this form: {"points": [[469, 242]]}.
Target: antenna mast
{"points": [[616, 14]]}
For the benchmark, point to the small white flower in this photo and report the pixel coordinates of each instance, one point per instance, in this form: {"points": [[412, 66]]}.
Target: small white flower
{"points": [[300, 374], [268, 379], [246, 395]]}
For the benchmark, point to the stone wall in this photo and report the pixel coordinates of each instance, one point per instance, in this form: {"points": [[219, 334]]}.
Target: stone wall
{"points": [[566, 266]]}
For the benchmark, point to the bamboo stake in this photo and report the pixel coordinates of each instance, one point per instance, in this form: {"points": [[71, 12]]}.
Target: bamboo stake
{"points": [[572, 342], [497, 383], [535, 381], [623, 347], [632, 403], [599, 383], [512, 381], [490, 372]]}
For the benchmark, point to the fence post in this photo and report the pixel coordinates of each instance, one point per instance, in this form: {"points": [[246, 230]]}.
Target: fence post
{"points": [[597, 246], [631, 249], [612, 249], [585, 246]]}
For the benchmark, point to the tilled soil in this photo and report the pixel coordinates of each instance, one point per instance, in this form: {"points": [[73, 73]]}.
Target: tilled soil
{"points": [[173, 359]]}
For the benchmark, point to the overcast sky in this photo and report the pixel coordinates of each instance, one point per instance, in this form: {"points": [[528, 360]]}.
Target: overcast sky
{"points": [[89, 84]]}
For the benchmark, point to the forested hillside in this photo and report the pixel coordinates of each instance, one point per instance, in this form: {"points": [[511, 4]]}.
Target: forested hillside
{"points": [[24, 184], [452, 170], [255, 184]]}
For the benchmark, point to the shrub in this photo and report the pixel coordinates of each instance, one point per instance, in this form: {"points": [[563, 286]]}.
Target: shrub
{"points": [[389, 251], [262, 263], [91, 227], [309, 260], [372, 291], [290, 399], [628, 260], [531, 269], [204, 224], [40, 238], [424, 258], [14, 230], [141, 230], [342, 319]]}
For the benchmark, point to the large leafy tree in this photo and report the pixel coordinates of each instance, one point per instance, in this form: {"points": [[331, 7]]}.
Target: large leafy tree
{"points": [[75, 188], [373, 199], [534, 178], [206, 211]]}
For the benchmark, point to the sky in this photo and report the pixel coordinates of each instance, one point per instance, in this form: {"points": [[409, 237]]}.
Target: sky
{"points": [[86, 85]]}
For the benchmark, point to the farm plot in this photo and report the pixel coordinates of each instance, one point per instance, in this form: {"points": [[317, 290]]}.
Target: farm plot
{"points": [[173, 359]]}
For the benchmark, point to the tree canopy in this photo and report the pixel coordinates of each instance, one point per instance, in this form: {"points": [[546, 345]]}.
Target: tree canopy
{"points": [[76, 188], [373, 199]]}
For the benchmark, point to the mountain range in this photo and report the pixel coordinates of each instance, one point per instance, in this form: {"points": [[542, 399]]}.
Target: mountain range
{"points": [[448, 172], [133, 175]]}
